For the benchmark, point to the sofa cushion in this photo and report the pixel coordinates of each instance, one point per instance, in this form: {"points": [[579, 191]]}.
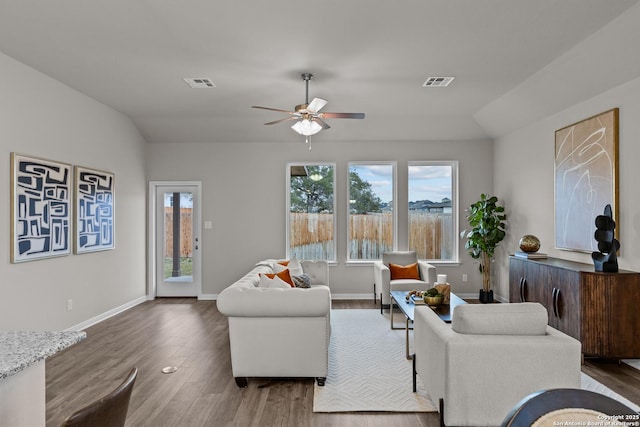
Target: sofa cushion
{"points": [[272, 282], [404, 271], [284, 275], [295, 268], [317, 271], [302, 281], [277, 267], [527, 318]]}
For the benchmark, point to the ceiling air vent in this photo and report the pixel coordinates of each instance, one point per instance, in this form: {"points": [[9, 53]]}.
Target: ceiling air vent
{"points": [[438, 81], [200, 83]]}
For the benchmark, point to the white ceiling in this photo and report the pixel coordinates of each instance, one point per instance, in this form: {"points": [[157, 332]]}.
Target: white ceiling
{"points": [[368, 56]]}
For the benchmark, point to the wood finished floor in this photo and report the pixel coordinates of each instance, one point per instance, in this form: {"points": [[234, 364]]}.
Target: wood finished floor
{"points": [[192, 335]]}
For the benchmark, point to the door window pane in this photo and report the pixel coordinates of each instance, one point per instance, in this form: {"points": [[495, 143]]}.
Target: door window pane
{"points": [[432, 203], [371, 210], [178, 237], [311, 208]]}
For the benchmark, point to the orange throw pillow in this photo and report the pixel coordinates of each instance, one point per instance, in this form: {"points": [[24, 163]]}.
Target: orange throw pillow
{"points": [[284, 275], [404, 271]]}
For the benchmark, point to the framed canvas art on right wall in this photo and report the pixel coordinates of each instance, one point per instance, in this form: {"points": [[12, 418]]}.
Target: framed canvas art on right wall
{"points": [[586, 179]]}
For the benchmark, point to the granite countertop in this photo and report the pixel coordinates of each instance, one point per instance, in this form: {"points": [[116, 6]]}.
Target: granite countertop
{"points": [[19, 350]]}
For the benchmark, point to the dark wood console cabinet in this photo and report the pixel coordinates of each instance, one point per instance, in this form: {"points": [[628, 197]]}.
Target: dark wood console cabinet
{"points": [[601, 310]]}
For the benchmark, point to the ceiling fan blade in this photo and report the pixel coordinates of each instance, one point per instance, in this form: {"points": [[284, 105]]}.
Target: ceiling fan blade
{"points": [[321, 122], [274, 109], [316, 104], [341, 115], [286, 119]]}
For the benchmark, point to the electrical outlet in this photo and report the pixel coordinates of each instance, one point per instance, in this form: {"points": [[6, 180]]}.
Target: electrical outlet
{"points": [[69, 304], [465, 277]]}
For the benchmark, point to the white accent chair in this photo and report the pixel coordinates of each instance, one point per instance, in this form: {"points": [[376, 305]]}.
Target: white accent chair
{"points": [[490, 357], [382, 275]]}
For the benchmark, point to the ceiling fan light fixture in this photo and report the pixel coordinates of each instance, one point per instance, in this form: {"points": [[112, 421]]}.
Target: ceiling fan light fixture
{"points": [[306, 127], [308, 118]]}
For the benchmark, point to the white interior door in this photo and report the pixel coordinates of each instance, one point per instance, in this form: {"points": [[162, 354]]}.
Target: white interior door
{"points": [[177, 240]]}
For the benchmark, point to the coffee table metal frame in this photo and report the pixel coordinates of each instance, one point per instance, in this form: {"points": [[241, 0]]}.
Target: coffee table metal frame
{"points": [[444, 311]]}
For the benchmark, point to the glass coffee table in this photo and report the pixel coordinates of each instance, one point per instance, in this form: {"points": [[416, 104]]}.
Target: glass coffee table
{"points": [[444, 311]]}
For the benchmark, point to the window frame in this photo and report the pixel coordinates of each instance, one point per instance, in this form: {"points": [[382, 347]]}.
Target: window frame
{"points": [[455, 201], [288, 251], [394, 177]]}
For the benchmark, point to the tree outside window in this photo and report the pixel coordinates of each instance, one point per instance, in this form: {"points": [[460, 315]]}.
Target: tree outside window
{"points": [[371, 210], [311, 201]]}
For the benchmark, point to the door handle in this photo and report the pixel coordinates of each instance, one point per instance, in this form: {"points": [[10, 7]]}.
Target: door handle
{"points": [[555, 295], [523, 282]]}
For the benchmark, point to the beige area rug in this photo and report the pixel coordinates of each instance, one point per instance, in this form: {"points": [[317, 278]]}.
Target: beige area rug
{"points": [[633, 363], [368, 370]]}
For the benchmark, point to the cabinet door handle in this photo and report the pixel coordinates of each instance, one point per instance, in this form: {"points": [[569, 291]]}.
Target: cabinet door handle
{"points": [[555, 294], [523, 282]]}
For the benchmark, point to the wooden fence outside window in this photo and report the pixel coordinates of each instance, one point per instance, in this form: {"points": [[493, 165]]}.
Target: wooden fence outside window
{"points": [[430, 235]]}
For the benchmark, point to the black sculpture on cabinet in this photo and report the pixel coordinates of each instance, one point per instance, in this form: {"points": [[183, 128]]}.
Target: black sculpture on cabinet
{"points": [[606, 260]]}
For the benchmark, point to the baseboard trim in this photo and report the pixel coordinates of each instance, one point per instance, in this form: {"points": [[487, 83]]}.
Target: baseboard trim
{"points": [[207, 297], [104, 316]]}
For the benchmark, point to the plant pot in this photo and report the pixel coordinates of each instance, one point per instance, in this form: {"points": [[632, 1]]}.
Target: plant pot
{"points": [[486, 297]]}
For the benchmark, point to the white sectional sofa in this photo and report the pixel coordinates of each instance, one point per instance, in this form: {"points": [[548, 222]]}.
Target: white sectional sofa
{"points": [[275, 331]]}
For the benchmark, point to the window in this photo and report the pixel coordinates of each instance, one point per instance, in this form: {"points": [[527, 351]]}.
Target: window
{"points": [[311, 207], [371, 210], [433, 222]]}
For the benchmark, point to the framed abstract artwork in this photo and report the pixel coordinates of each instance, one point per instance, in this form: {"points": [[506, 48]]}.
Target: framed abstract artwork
{"points": [[40, 208], [94, 207], [586, 179]]}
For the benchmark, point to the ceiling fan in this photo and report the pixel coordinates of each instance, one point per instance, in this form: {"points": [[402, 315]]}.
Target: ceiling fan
{"points": [[309, 119]]}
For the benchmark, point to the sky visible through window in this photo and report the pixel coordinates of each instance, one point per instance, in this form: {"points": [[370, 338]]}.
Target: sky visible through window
{"points": [[186, 200], [429, 182], [426, 182], [379, 176]]}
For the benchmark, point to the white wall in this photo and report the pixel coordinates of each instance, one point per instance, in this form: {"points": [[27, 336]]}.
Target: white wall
{"points": [[524, 158], [244, 195], [41, 117], [525, 177]]}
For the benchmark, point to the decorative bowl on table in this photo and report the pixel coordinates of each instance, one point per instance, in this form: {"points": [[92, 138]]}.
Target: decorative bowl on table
{"points": [[433, 301]]}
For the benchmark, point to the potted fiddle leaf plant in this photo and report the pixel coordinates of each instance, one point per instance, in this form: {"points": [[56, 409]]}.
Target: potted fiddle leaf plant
{"points": [[488, 228]]}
